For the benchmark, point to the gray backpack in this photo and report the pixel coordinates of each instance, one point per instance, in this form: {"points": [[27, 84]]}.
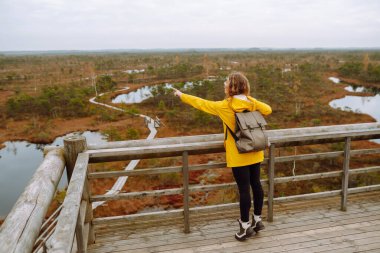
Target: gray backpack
{"points": [[249, 132]]}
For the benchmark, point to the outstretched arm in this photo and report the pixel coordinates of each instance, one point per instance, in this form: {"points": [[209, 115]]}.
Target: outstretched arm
{"points": [[211, 107]]}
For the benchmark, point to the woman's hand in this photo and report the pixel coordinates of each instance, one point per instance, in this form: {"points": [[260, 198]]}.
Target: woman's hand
{"points": [[177, 92]]}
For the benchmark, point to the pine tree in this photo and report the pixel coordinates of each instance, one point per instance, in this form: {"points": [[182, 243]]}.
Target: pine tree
{"points": [[365, 62], [205, 64]]}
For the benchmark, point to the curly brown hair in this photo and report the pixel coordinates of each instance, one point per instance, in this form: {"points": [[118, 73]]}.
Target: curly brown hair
{"points": [[237, 84]]}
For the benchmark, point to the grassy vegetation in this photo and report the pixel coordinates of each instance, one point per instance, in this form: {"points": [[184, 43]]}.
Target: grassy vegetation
{"points": [[52, 102], [367, 73]]}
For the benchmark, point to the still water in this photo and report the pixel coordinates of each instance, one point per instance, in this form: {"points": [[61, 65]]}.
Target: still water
{"points": [[359, 104], [133, 97], [144, 93], [18, 162], [368, 105]]}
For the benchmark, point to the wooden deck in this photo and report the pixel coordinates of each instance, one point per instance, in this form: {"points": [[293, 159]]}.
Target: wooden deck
{"points": [[307, 226]]}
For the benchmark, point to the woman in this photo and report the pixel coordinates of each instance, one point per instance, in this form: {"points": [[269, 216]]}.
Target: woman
{"points": [[245, 167]]}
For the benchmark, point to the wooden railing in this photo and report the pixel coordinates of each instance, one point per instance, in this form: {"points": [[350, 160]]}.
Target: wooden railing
{"points": [[74, 229], [206, 144]]}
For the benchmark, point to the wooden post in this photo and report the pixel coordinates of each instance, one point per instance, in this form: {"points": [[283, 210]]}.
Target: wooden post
{"points": [[89, 213], [271, 181], [80, 229], [185, 175], [73, 146], [346, 167], [84, 229]]}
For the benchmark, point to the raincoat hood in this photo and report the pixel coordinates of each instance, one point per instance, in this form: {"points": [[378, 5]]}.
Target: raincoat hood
{"points": [[239, 105]]}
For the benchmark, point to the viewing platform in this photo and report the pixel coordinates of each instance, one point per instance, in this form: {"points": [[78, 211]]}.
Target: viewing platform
{"points": [[300, 226], [346, 219]]}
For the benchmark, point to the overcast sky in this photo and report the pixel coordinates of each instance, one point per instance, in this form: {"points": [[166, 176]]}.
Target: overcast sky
{"points": [[125, 24]]}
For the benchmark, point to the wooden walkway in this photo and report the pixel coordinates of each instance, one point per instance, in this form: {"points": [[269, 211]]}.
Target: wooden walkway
{"points": [[307, 226]]}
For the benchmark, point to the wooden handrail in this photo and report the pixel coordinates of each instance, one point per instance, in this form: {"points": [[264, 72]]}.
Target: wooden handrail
{"points": [[63, 236], [273, 134], [318, 135], [73, 210], [22, 225]]}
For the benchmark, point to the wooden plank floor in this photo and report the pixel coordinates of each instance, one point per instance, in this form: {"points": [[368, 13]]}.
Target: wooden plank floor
{"points": [[307, 226]]}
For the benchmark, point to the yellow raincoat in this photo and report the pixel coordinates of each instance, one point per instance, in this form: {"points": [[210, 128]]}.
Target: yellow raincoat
{"points": [[224, 111]]}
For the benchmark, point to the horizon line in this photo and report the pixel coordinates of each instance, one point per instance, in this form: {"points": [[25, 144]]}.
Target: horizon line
{"points": [[203, 49]]}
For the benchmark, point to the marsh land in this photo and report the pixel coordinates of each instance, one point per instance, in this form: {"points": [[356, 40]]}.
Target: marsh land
{"points": [[43, 97]]}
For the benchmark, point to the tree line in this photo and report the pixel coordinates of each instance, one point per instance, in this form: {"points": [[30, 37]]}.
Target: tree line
{"points": [[367, 72], [57, 101]]}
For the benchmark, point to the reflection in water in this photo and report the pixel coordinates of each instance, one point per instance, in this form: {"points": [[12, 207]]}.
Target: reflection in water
{"points": [[334, 79], [131, 71], [146, 92], [134, 96], [354, 89], [11, 148], [18, 162]]}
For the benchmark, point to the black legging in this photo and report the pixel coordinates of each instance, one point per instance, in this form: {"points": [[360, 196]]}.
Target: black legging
{"points": [[246, 177]]}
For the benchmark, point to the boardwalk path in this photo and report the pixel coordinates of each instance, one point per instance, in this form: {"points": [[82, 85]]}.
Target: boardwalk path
{"points": [[120, 182], [307, 226]]}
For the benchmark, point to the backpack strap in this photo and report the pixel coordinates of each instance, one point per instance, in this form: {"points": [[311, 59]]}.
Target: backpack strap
{"points": [[229, 129], [232, 133]]}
